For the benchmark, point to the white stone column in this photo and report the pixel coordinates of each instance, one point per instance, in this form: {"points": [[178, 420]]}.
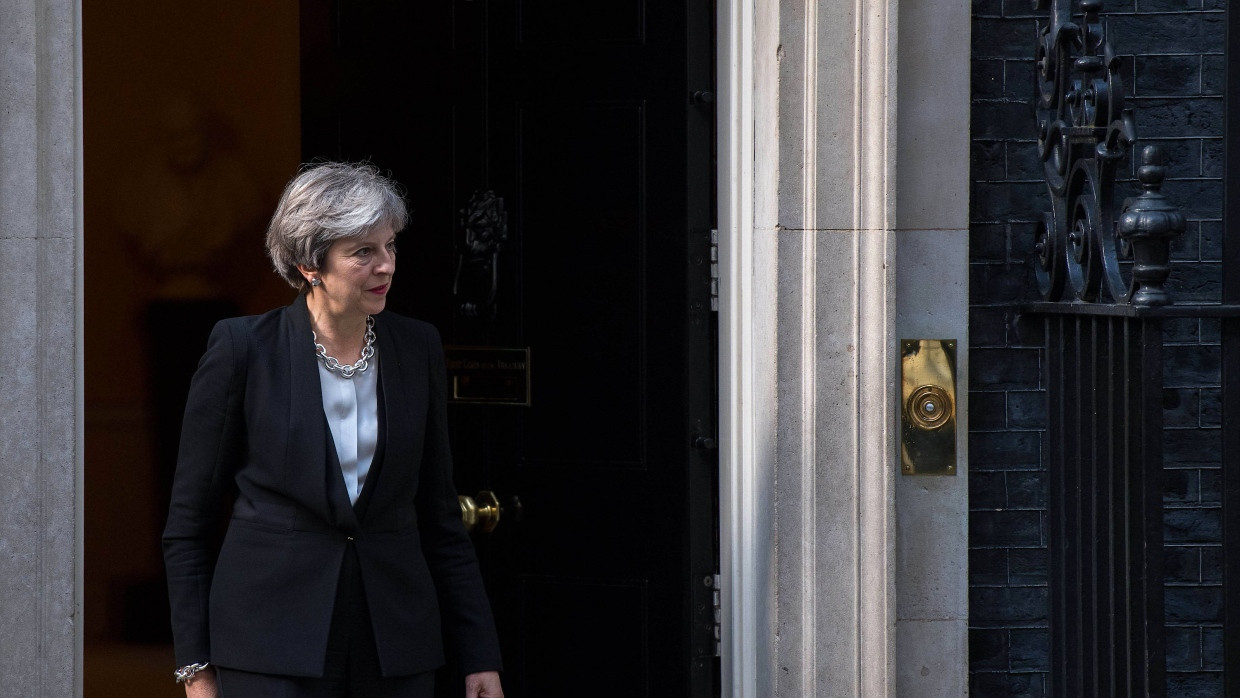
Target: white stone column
{"points": [[807, 347], [40, 379]]}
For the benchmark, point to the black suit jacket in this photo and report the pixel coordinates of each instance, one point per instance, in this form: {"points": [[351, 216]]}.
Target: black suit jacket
{"points": [[255, 437]]}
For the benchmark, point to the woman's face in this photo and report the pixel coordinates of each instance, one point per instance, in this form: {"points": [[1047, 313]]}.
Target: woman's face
{"points": [[357, 273]]}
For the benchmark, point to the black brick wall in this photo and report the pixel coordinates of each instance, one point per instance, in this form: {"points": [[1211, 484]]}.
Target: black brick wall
{"points": [[1173, 67]]}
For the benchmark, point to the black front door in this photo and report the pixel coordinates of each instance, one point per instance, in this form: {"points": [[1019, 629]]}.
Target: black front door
{"points": [[593, 123]]}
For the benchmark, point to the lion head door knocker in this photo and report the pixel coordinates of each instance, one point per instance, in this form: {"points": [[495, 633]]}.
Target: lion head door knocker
{"points": [[476, 284]]}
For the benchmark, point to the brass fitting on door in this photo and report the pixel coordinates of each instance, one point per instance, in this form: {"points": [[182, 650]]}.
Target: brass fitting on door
{"points": [[928, 406], [482, 514]]}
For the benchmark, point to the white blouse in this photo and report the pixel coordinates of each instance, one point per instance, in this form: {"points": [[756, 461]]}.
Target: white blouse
{"points": [[352, 409]]}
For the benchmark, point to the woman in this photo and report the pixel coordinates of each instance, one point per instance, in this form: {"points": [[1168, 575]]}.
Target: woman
{"points": [[321, 426]]}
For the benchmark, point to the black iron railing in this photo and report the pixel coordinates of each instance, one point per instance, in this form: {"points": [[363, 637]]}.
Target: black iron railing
{"points": [[1104, 386], [1101, 271]]}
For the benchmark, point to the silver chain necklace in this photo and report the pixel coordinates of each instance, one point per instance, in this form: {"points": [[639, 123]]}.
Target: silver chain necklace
{"points": [[347, 370]]}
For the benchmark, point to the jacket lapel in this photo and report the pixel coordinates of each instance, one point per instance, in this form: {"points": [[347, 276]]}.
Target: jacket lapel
{"points": [[311, 452], [342, 513], [402, 390]]}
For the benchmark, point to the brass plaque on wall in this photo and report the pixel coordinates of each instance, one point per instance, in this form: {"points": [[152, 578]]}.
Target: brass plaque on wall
{"points": [[928, 406], [488, 375]]}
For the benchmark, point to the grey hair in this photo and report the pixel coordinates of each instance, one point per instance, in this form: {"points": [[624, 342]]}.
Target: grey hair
{"points": [[324, 203]]}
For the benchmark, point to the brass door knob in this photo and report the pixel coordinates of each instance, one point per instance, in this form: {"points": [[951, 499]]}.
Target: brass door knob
{"points": [[482, 513]]}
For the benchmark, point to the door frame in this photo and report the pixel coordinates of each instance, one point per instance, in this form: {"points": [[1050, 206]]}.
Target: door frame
{"points": [[743, 513], [808, 516], [48, 116], [745, 387]]}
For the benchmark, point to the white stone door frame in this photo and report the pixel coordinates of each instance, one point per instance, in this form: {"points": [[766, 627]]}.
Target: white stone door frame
{"points": [[806, 214], [808, 321], [744, 505], [41, 504], [812, 550]]}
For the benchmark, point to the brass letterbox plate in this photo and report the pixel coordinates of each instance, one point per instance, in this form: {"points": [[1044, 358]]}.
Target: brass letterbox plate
{"points": [[928, 406], [488, 375]]}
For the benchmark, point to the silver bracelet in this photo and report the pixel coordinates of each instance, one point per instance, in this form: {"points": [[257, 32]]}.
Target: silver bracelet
{"points": [[187, 672]]}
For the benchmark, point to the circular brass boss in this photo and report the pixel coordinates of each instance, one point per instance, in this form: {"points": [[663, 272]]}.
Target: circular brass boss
{"points": [[929, 407]]}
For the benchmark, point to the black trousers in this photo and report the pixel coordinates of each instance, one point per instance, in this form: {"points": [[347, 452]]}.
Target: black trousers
{"points": [[352, 668]]}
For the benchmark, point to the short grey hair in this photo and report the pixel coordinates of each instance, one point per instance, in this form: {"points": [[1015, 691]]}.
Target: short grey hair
{"points": [[327, 202]]}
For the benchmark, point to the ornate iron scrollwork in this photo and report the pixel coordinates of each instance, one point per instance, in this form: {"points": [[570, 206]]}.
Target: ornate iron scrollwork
{"points": [[476, 283], [1084, 134]]}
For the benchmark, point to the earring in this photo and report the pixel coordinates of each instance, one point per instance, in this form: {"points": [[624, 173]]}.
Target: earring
{"points": [[315, 281]]}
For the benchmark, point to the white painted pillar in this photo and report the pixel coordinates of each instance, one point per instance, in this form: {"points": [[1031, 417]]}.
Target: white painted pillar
{"points": [[807, 158], [40, 375], [841, 576]]}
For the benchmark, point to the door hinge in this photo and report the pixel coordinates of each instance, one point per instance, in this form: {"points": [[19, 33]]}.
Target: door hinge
{"points": [[716, 613], [714, 270]]}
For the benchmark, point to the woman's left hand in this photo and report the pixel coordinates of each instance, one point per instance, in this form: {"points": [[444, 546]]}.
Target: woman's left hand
{"points": [[484, 684]]}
